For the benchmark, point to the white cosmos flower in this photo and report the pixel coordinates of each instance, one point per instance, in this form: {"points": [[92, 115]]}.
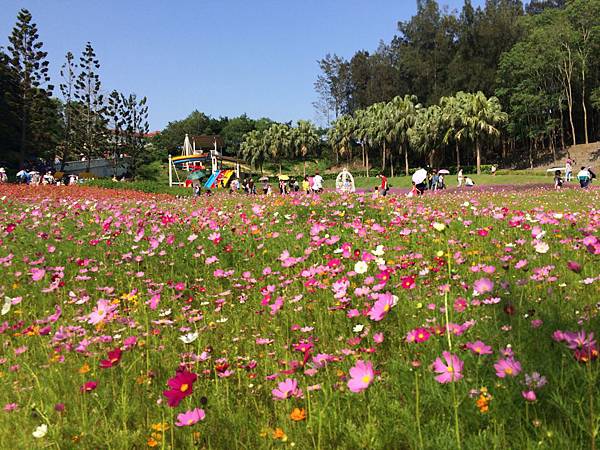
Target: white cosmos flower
{"points": [[188, 338], [378, 251], [222, 320], [360, 267], [358, 328], [541, 247], [40, 431], [164, 313], [6, 306]]}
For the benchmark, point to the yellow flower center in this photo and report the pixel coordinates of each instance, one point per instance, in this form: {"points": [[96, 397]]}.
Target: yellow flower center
{"points": [[508, 371], [366, 378], [386, 308], [190, 421], [184, 387], [450, 369]]}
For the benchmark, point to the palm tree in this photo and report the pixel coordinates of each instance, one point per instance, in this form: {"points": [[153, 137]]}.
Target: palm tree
{"points": [[304, 138], [278, 140], [452, 120], [427, 133], [481, 116], [341, 135], [402, 116], [361, 134], [254, 148]]}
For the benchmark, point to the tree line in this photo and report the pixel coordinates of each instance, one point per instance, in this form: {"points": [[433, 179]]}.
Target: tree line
{"points": [[83, 122], [535, 62]]}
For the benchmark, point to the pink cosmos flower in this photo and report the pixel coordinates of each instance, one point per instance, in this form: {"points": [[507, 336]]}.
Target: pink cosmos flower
{"points": [[101, 311], [190, 417], [507, 367], [418, 335], [449, 372], [287, 389], [479, 348], [381, 307], [362, 376], [37, 274], [483, 285], [529, 396], [378, 338]]}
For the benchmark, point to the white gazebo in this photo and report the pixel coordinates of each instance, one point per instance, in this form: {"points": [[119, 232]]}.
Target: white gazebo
{"points": [[344, 183]]}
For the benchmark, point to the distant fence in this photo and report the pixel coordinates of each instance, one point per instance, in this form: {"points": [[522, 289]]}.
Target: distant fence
{"points": [[100, 168]]}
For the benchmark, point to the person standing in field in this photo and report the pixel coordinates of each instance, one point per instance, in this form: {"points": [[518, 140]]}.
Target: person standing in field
{"points": [[460, 177], [584, 177], [568, 170], [317, 185], [306, 185], [384, 185], [558, 181], [3, 177]]}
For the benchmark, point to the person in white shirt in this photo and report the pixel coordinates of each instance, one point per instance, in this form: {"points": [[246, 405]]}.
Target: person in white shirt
{"points": [[584, 177], [317, 185], [469, 182]]}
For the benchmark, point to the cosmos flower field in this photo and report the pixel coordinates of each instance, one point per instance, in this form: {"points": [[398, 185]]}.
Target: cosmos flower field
{"points": [[464, 320]]}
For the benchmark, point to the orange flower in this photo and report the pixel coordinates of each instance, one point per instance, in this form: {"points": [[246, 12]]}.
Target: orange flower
{"points": [[278, 433], [152, 442], [84, 369], [298, 414], [160, 426]]}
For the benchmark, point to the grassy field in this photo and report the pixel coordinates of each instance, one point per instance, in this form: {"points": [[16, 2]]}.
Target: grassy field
{"points": [[140, 320]]}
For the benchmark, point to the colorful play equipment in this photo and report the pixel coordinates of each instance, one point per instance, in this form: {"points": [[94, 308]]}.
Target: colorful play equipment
{"points": [[222, 168]]}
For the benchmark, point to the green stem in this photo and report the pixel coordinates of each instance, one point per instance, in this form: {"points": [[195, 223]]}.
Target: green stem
{"points": [[417, 410]]}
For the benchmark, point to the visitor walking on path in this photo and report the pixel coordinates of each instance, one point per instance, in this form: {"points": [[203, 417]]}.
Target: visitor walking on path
{"points": [[306, 185], [568, 169]]}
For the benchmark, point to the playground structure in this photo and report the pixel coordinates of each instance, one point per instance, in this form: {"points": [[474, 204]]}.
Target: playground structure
{"points": [[222, 168]]}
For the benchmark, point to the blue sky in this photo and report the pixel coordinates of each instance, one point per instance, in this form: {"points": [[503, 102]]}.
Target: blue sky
{"points": [[222, 57]]}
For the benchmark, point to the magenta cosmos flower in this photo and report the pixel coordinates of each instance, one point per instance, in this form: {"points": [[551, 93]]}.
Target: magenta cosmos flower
{"points": [[361, 376], [287, 389], [450, 371], [381, 307], [507, 367], [479, 348], [181, 387], [190, 417]]}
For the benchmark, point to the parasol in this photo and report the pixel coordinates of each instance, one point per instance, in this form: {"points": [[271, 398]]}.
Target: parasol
{"points": [[444, 172], [284, 177], [197, 175], [265, 179], [419, 176]]}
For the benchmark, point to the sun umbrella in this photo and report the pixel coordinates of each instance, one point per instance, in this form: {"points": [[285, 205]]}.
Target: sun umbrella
{"points": [[197, 175], [444, 172], [263, 179], [419, 176], [284, 177]]}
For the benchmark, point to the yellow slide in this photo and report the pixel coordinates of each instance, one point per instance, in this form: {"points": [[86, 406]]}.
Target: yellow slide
{"points": [[226, 176]]}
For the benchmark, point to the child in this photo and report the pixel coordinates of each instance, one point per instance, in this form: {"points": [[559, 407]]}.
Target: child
{"points": [[306, 185], [558, 181], [469, 182], [413, 192], [376, 193]]}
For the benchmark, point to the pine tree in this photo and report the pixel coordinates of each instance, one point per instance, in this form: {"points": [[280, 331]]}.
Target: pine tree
{"points": [[90, 123], [67, 88], [135, 129], [31, 102]]}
